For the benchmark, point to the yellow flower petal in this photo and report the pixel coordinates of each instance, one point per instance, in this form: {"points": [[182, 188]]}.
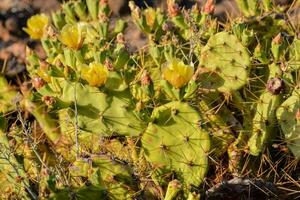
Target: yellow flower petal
{"points": [[96, 74], [36, 26], [150, 15], [71, 36], [177, 73]]}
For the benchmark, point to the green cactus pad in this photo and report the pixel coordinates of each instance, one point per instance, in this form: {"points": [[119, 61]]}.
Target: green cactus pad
{"points": [[248, 7], [263, 122], [83, 193], [175, 141], [228, 63], [101, 113], [290, 122], [294, 56], [114, 176], [7, 94]]}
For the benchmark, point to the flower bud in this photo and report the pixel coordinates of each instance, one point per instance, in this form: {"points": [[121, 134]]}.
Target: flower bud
{"points": [[109, 65], [38, 82], [173, 9], [136, 11], [145, 79], [278, 46], [48, 100], [209, 7], [120, 38], [131, 5], [298, 115], [277, 39], [174, 187]]}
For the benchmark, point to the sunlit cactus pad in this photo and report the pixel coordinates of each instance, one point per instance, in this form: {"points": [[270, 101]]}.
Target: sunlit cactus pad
{"points": [[175, 141], [288, 115], [227, 60]]}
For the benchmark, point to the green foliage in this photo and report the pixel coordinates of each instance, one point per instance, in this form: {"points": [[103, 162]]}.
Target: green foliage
{"points": [[119, 124]]}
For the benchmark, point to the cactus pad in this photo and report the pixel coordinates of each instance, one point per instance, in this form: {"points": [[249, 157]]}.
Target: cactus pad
{"points": [[227, 61], [288, 115], [175, 141]]}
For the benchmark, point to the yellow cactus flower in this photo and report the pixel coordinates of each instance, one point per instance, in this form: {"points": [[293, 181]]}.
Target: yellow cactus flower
{"points": [[36, 26], [96, 74], [150, 15], [177, 73], [71, 36]]}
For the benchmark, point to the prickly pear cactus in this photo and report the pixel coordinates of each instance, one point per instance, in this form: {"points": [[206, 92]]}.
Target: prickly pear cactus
{"points": [[227, 63], [174, 141], [288, 115], [101, 120], [264, 121]]}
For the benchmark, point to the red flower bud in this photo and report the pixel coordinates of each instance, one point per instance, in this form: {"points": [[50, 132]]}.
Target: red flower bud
{"points": [[38, 82], [49, 101], [209, 7], [145, 78], [298, 115], [173, 9], [278, 39]]}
